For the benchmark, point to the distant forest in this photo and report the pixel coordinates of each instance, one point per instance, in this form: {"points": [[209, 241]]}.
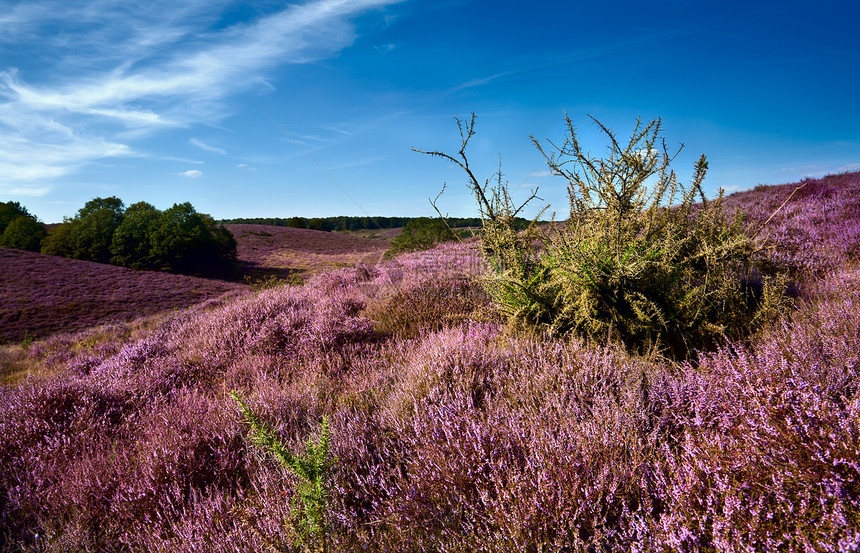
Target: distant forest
{"points": [[353, 223]]}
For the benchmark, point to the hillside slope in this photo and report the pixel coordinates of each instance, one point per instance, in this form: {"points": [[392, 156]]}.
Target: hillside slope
{"points": [[43, 294], [284, 251]]}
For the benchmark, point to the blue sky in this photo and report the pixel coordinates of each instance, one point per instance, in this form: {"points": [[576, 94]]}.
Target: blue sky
{"points": [[274, 109]]}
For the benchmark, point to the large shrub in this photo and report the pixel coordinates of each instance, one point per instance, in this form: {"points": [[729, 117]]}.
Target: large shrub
{"points": [[642, 259], [421, 234]]}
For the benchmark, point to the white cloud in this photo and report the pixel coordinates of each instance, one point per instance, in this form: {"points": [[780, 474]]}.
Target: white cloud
{"points": [[819, 170], [35, 149], [203, 146], [121, 72], [192, 174], [182, 160]]}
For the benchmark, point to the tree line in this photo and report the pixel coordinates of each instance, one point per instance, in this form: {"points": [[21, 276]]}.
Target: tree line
{"points": [[349, 223], [178, 239]]}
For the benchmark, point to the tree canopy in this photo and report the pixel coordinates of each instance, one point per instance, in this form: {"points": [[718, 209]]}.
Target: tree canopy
{"points": [[178, 239], [19, 229]]}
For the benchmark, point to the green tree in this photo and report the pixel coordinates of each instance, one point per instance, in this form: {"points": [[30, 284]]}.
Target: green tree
{"points": [[89, 234], [130, 245], [23, 233], [223, 262], [320, 224], [185, 241], [297, 222], [180, 239], [112, 204], [9, 211], [96, 223], [61, 240]]}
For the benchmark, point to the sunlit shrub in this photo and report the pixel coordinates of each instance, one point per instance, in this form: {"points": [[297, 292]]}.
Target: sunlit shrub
{"points": [[642, 258]]}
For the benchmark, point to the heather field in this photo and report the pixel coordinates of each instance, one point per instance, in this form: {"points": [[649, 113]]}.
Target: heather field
{"points": [[449, 431], [284, 251], [42, 295]]}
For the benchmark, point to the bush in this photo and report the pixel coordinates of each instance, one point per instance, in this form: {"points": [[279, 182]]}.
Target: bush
{"points": [[629, 264], [420, 234]]}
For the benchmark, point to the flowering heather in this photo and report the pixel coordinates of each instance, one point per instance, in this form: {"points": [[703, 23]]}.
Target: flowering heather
{"points": [[283, 249], [817, 230], [448, 433], [42, 294]]}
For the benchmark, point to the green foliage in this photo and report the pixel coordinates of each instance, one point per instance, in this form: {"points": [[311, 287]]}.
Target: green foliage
{"points": [[111, 204], [420, 234], [61, 240], [346, 223], [9, 211], [297, 222], [130, 245], [19, 229], [188, 242], [89, 234], [23, 233], [96, 223], [313, 469], [656, 266], [178, 239], [320, 224]]}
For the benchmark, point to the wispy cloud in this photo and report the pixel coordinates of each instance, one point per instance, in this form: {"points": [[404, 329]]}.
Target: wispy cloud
{"points": [[131, 73], [203, 146], [192, 174], [35, 150], [528, 64], [818, 170]]}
